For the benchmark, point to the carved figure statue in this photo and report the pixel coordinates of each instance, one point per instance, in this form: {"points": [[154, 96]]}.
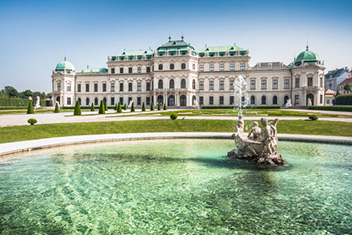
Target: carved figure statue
{"points": [[288, 103], [37, 103], [255, 132], [269, 134]]}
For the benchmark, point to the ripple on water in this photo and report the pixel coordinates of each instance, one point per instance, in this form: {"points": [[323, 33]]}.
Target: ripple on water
{"points": [[175, 186]]}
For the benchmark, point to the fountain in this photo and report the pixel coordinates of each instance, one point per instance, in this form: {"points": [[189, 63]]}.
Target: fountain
{"points": [[258, 145]]}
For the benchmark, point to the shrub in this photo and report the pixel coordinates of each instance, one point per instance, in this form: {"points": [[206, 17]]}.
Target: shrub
{"points": [[92, 108], [344, 99], [165, 106], [115, 108], [119, 109], [313, 117], [152, 107], [77, 109], [173, 116], [57, 109], [159, 108], [32, 121], [132, 107], [101, 108], [332, 108], [143, 107], [30, 109], [106, 107], [125, 107], [247, 107]]}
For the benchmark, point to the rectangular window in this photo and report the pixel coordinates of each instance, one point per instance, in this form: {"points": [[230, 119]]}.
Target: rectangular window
{"points": [[297, 82], [211, 67], [310, 81], [221, 85], [232, 67], [112, 86], [95, 87], [130, 70], [148, 101], [139, 69], [121, 86], [112, 70], [112, 101], [286, 84], [148, 69], [104, 87], [68, 100], [211, 100], [201, 101], [263, 84], [87, 87], [148, 86], [139, 86], [252, 85], [121, 100], [68, 87], [59, 86], [201, 85], [211, 85], [232, 100], [121, 70], [275, 84], [243, 67], [221, 100], [130, 86], [221, 67], [79, 87], [321, 99], [129, 100], [231, 85], [139, 101], [296, 99], [201, 68]]}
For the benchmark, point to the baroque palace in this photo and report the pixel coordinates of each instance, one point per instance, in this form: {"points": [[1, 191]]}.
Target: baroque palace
{"points": [[178, 75]]}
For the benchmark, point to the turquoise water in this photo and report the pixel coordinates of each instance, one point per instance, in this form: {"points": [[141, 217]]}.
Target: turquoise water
{"points": [[175, 187]]}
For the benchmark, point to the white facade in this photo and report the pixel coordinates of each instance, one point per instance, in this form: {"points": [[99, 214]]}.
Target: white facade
{"points": [[178, 75]]}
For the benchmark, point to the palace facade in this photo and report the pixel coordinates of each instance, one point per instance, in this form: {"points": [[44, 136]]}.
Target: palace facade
{"points": [[178, 75]]}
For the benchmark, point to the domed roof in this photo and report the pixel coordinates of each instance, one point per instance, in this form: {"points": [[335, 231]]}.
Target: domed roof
{"points": [[307, 56], [65, 65]]}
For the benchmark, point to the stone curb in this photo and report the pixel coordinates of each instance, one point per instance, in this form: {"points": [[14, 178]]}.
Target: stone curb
{"points": [[25, 146]]}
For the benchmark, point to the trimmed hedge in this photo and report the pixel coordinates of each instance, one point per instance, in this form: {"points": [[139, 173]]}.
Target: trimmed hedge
{"points": [[30, 109], [332, 108], [344, 99], [173, 116], [32, 121], [247, 107], [18, 102], [57, 109], [77, 109], [313, 117], [101, 108]]}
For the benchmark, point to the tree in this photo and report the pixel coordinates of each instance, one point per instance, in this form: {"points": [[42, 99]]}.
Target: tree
{"points": [[143, 107], [77, 111], [152, 107], [159, 108], [92, 108], [26, 94], [11, 92], [57, 109], [119, 109], [101, 108], [30, 109], [347, 87], [132, 107], [165, 106]]}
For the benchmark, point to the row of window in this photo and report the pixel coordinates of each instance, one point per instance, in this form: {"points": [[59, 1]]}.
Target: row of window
{"points": [[172, 84], [222, 67], [112, 87], [252, 100], [112, 101], [130, 70], [172, 66]]}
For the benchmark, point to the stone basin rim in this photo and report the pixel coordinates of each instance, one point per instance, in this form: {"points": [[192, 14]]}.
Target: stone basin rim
{"points": [[29, 145]]}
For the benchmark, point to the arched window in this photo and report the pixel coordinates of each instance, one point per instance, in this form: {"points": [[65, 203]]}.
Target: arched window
{"points": [[160, 67], [160, 84], [286, 99], [104, 101], [194, 84], [183, 66], [183, 100], [172, 84], [96, 101], [274, 99], [87, 101], [171, 101], [160, 99], [79, 101], [252, 100], [172, 66], [183, 83], [263, 99], [194, 67]]}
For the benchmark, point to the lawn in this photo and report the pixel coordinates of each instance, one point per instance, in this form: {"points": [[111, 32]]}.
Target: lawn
{"points": [[20, 133]]}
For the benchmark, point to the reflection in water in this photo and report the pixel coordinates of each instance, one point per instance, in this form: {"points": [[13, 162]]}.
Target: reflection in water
{"points": [[175, 186]]}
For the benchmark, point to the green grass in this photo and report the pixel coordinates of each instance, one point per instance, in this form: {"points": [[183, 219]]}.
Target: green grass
{"points": [[20, 133]]}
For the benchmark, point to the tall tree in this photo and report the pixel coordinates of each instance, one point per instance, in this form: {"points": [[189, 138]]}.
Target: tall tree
{"points": [[11, 91], [347, 87]]}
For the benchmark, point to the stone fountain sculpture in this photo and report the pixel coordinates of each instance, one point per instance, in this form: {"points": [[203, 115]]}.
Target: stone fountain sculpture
{"points": [[258, 145]]}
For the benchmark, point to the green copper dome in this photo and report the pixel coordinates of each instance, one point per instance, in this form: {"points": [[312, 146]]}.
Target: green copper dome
{"points": [[65, 65], [306, 56]]}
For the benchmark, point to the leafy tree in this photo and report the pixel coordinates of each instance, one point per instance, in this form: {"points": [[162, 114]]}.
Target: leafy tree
{"points": [[159, 108], [119, 109], [92, 108], [26, 94], [347, 87], [101, 108], [11, 91], [30, 109], [152, 107], [77, 111], [132, 107], [143, 107], [165, 106], [57, 109]]}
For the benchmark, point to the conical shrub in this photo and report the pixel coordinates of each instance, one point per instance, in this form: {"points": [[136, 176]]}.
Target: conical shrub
{"points": [[106, 107], [119, 109], [132, 107], [152, 107], [30, 109], [77, 109], [115, 108], [57, 109], [165, 106], [143, 107], [101, 108], [92, 108], [159, 108], [125, 107]]}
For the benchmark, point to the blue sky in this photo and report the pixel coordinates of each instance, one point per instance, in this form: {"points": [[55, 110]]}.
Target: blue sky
{"points": [[36, 35]]}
